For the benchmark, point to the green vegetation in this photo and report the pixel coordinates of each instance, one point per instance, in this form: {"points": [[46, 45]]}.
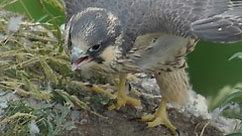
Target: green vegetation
{"points": [[229, 101], [50, 11], [35, 67], [22, 119]]}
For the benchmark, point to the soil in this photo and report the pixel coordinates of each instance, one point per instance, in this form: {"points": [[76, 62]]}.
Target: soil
{"points": [[126, 122]]}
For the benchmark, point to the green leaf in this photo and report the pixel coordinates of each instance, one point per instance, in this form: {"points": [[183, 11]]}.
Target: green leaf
{"points": [[225, 96], [234, 97], [234, 134], [236, 55]]}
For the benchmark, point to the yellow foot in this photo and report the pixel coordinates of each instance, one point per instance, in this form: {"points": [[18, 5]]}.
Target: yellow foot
{"points": [[154, 120], [102, 90], [122, 97], [159, 118], [123, 100]]}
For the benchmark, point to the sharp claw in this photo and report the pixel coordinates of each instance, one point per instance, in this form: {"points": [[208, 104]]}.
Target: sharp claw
{"points": [[178, 132], [129, 87]]}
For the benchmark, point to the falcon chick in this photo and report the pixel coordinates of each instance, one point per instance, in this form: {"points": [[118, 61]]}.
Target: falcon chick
{"points": [[151, 36]]}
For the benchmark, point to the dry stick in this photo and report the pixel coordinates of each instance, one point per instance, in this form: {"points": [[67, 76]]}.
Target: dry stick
{"points": [[204, 127]]}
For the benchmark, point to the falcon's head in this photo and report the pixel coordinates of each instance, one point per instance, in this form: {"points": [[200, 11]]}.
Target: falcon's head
{"points": [[92, 37]]}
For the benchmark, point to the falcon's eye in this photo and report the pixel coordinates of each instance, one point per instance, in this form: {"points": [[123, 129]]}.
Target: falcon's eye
{"points": [[95, 48]]}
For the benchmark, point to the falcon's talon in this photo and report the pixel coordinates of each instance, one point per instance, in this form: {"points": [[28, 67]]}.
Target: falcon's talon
{"points": [[125, 100], [159, 118], [122, 98], [100, 90], [148, 117], [178, 132]]}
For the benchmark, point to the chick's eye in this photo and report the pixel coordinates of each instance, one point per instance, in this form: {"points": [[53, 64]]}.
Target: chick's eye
{"points": [[95, 48]]}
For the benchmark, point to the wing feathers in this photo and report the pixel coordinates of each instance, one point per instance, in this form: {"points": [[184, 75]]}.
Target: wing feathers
{"points": [[225, 27]]}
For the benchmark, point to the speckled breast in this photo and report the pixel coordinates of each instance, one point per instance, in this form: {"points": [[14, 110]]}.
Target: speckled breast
{"points": [[156, 52]]}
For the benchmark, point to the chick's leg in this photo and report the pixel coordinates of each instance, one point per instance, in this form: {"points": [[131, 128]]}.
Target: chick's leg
{"points": [[122, 97], [173, 86]]}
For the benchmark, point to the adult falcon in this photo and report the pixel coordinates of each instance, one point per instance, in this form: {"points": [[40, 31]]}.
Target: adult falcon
{"points": [[151, 36]]}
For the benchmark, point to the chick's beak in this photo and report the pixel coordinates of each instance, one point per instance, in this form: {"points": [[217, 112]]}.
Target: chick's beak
{"points": [[79, 58]]}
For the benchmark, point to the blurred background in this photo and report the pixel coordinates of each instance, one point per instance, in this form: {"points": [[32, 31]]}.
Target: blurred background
{"points": [[209, 66]]}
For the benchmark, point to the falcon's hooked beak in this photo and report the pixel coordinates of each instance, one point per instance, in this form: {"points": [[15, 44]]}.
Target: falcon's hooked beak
{"points": [[79, 58]]}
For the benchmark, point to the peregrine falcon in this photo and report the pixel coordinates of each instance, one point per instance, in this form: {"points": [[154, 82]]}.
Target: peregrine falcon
{"points": [[151, 36]]}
